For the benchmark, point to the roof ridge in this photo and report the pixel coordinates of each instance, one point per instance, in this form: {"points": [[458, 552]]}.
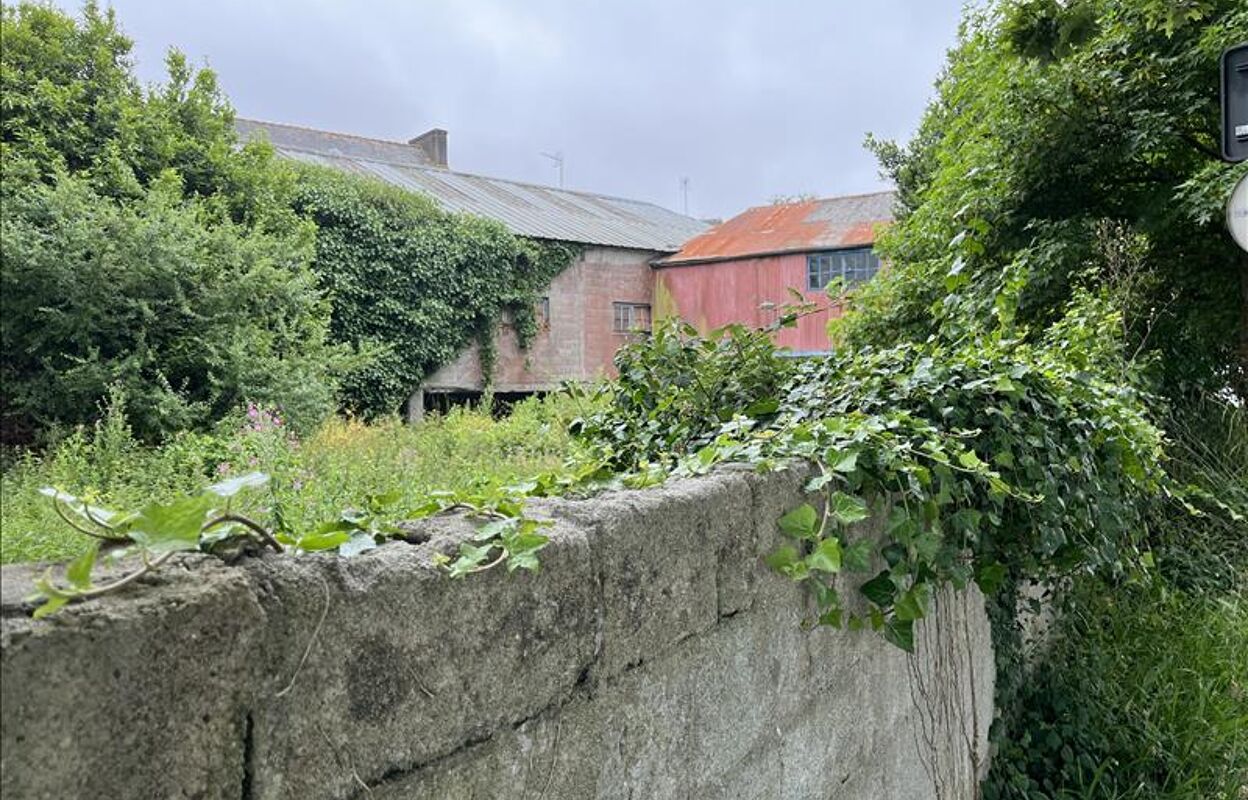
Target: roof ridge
{"points": [[331, 133], [435, 168], [817, 200]]}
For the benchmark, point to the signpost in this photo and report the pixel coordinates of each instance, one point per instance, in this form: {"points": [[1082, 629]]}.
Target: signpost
{"points": [[1235, 135], [1235, 103]]}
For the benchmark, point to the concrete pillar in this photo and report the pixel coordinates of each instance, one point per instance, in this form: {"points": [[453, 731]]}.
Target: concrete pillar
{"points": [[416, 406]]}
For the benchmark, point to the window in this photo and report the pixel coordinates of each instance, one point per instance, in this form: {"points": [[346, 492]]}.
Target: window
{"points": [[541, 311], [855, 266], [631, 317]]}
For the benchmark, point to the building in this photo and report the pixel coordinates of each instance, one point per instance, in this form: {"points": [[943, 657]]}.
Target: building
{"points": [[591, 308], [742, 270]]}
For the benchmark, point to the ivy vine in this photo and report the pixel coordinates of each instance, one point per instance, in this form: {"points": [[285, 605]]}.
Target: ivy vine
{"points": [[412, 285]]}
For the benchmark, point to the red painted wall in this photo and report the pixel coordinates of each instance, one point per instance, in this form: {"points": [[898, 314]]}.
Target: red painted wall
{"points": [[716, 293]]}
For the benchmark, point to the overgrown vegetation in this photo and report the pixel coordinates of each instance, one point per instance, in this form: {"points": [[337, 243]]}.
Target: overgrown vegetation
{"points": [[312, 478], [143, 247], [413, 285], [1045, 385]]}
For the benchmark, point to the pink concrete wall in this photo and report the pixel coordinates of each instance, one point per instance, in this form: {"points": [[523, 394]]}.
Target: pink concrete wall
{"points": [[579, 343], [716, 293]]}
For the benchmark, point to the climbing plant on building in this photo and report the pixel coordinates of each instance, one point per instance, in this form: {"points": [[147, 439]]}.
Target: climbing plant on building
{"points": [[412, 285]]}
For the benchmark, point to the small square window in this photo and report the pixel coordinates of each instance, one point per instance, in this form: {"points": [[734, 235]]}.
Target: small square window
{"points": [[630, 317]]}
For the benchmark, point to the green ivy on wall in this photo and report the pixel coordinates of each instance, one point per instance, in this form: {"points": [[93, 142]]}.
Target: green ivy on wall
{"points": [[412, 285]]}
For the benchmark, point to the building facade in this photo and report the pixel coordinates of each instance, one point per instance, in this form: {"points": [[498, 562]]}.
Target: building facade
{"points": [[745, 270], [591, 308]]}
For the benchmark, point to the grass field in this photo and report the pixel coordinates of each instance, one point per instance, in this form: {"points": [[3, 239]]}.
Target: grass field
{"points": [[313, 479]]}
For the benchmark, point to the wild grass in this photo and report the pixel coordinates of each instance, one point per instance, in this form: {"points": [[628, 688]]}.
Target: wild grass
{"points": [[1142, 693], [313, 479]]}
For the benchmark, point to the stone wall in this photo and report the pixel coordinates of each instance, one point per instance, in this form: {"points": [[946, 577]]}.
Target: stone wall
{"points": [[653, 656]]}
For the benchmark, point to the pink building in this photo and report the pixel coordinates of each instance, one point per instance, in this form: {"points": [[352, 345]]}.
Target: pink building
{"points": [[742, 270]]}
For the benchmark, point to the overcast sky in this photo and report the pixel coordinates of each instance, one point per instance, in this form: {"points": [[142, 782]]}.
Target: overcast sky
{"points": [[749, 100]]}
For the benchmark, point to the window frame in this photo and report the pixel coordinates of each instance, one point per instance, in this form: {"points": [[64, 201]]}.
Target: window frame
{"points": [[840, 268], [632, 308]]}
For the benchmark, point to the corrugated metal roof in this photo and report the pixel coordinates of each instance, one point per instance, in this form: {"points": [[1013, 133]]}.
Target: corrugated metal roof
{"points": [[542, 212], [791, 227]]}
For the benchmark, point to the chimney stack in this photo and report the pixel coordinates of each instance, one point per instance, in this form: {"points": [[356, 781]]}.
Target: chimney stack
{"points": [[433, 144]]}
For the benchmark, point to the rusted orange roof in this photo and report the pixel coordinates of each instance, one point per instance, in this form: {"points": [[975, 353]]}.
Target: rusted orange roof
{"points": [[791, 227]]}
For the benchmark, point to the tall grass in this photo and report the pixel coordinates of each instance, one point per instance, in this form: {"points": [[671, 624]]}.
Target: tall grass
{"points": [[1142, 692], [313, 479]]}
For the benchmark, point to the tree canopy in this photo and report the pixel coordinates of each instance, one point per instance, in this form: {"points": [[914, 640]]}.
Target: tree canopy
{"points": [[1073, 146]]}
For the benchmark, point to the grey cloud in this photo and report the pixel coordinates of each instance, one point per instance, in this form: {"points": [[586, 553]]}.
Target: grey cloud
{"points": [[748, 99]]}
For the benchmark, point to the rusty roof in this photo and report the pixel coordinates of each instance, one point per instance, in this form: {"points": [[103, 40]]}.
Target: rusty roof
{"points": [[825, 224], [540, 212]]}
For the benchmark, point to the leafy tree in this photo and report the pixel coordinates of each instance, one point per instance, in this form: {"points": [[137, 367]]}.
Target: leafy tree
{"points": [[1055, 124], [142, 246]]}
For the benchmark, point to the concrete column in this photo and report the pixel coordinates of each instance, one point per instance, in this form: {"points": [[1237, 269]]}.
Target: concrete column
{"points": [[416, 407]]}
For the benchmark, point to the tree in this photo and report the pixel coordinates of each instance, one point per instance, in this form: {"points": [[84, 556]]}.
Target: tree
{"points": [[1073, 145], [141, 245]]}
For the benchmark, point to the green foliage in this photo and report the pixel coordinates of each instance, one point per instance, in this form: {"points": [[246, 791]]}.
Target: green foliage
{"points": [[1001, 457], [345, 469], [141, 247], [676, 388], [1140, 693], [190, 318], [413, 284], [1053, 120]]}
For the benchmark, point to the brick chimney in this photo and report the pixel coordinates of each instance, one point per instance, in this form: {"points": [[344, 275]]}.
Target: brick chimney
{"points": [[433, 144]]}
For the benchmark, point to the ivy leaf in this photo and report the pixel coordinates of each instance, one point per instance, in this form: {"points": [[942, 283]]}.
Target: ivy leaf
{"points": [[826, 557], [231, 487], [880, 589], [858, 556], [322, 541], [358, 543], [494, 529], [78, 573], [847, 463], [847, 509], [989, 577], [800, 522], [913, 604], [900, 633], [165, 527], [470, 557], [788, 562]]}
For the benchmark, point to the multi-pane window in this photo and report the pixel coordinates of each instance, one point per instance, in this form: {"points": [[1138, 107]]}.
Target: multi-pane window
{"points": [[855, 266], [629, 317]]}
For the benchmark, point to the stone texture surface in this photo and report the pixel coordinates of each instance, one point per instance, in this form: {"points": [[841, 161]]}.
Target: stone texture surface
{"points": [[653, 656]]}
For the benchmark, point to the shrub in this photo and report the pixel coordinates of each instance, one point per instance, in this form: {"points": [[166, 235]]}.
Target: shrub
{"points": [[191, 316]]}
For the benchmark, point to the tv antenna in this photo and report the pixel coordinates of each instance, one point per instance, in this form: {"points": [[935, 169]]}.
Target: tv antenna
{"points": [[557, 158], [684, 191]]}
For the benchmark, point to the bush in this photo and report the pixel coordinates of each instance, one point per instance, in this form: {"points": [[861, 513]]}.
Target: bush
{"points": [[191, 316]]}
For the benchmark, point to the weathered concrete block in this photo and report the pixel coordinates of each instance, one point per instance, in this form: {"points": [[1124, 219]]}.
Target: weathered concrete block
{"points": [[657, 556], [654, 656], [409, 664], [138, 695]]}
